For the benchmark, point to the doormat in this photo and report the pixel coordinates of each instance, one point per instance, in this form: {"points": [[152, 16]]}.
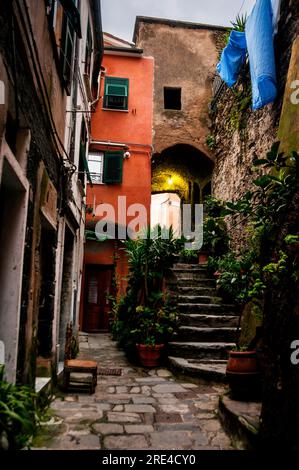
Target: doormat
{"points": [[107, 371]]}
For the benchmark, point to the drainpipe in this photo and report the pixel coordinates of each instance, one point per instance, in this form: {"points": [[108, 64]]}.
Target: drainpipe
{"points": [[101, 74]]}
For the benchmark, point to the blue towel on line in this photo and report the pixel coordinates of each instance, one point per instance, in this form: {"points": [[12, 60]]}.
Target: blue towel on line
{"points": [[232, 58], [259, 38]]}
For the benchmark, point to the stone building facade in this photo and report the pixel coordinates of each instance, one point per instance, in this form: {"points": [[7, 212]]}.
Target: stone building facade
{"points": [[48, 51], [185, 57]]}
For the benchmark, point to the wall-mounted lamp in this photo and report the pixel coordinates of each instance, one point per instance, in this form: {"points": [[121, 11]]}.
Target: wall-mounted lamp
{"points": [[170, 181], [127, 155]]}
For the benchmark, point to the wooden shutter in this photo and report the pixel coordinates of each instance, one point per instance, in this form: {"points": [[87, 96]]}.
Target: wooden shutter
{"points": [[67, 49], [116, 93], [113, 167]]}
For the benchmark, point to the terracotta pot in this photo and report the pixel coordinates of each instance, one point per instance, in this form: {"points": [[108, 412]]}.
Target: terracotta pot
{"points": [[202, 258], [243, 375], [244, 362], [150, 355]]}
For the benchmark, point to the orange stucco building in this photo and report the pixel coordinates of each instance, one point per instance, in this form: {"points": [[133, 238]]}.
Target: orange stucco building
{"points": [[120, 170]]}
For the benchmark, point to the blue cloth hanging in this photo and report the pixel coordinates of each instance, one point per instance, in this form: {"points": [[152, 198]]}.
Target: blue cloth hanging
{"points": [[259, 37], [232, 58]]}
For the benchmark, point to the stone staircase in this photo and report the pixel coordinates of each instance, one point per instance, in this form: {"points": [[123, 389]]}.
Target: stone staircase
{"points": [[207, 328]]}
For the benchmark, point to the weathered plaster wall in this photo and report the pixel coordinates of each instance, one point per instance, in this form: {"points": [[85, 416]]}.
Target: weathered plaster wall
{"points": [[185, 57]]}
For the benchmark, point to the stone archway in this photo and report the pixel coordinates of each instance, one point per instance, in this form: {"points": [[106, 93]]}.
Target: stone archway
{"points": [[184, 170]]}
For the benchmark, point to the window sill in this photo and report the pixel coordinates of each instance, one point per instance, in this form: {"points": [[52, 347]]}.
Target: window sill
{"points": [[117, 110]]}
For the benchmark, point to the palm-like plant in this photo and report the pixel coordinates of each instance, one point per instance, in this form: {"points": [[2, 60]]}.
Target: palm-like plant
{"points": [[239, 23]]}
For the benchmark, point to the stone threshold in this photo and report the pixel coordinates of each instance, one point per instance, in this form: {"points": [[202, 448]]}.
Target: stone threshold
{"points": [[44, 384]]}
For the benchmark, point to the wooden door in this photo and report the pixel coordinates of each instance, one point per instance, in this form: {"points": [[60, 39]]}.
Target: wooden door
{"points": [[98, 287]]}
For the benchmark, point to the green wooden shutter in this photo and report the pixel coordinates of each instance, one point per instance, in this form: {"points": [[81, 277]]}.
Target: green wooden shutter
{"points": [[113, 167], [116, 93]]}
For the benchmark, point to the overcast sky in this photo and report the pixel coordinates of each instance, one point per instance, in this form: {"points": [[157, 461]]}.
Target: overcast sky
{"points": [[118, 16]]}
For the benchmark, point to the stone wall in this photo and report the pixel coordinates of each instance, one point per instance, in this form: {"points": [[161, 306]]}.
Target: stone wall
{"points": [[236, 147]]}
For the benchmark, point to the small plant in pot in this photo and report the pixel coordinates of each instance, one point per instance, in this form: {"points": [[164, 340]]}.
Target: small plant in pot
{"points": [[153, 331], [242, 371]]}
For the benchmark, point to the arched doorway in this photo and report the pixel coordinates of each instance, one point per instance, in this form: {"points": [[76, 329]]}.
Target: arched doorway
{"points": [[184, 170], [166, 211]]}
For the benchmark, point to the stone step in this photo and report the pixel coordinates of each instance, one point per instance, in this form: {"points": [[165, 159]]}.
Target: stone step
{"points": [[213, 370], [241, 420], [189, 267], [199, 299], [195, 290], [199, 350], [207, 308], [210, 321], [195, 333], [193, 275], [187, 282]]}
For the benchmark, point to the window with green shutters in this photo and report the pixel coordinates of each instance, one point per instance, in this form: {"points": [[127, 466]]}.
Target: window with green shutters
{"points": [[116, 93], [113, 167]]}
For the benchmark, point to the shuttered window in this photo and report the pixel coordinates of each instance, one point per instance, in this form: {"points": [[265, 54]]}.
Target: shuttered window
{"points": [[113, 167], [67, 53], [116, 93]]}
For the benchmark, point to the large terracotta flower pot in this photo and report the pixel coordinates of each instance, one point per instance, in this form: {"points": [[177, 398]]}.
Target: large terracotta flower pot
{"points": [[243, 375], [242, 362], [150, 355]]}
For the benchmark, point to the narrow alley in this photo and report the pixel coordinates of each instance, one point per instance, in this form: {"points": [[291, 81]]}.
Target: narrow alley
{"points": [[141, 409]]}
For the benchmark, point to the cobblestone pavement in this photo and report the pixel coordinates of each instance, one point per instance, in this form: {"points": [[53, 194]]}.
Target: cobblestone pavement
{"points": [[141, 409]]}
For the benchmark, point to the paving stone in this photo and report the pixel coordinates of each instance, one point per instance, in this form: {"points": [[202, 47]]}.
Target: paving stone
{"points": [[139, 428], [147, 380], [168, 440], [163, 395], [130, 442], [206, 406], [167, 401], [139, 409], [89, 442], [210, 425], [104, 406], [204, 415], [135, 390], [86, 398], [107, 428], [175, 408], [186, 395], [77, 432], [64, 405], [164, 373], [161, 417], [143, 400], [123, 417], [118, 408], [168, 388], [189, 385], [200, 440], [83, 415], [71, 398], [152, 372]]}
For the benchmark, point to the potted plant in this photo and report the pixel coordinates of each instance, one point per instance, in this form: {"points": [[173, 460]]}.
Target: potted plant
{"points": [[153, 330], [188, 256], [242, 370]]}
